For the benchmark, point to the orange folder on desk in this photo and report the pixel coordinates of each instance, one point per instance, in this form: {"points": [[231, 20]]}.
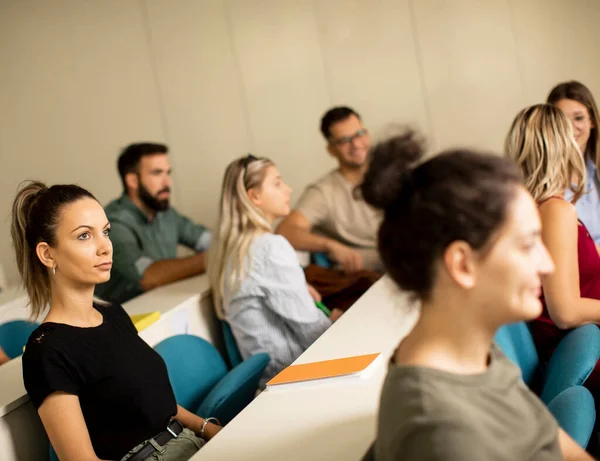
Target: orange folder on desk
{"points": [[357, 365]]}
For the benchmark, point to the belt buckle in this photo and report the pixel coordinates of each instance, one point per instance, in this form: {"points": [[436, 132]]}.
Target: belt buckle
{"points": [[172, 432]]}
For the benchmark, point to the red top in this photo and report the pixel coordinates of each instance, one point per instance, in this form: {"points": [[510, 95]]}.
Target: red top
{"points": [[546, 334]]}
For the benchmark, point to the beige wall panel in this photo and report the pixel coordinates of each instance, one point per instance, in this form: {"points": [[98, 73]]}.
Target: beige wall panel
{"points": [[203, 104], [281, 65], [371, 62], [470, 68], [74, 89], [557, 40]]}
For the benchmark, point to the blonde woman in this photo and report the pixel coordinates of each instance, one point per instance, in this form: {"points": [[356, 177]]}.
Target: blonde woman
{"points": [[258, 285], [541, 142], [577, 103]]}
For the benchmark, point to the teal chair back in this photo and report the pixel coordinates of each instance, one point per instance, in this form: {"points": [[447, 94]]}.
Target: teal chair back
{"points": [[562, 378], [201, 381], [233, 352], [194, 367], [14, 336], [516, 342], [321, 260]]}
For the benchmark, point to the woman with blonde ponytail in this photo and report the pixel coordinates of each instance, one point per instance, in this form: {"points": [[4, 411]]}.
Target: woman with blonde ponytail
{"points": [[542, 143], [258, 285], [101, 392]]}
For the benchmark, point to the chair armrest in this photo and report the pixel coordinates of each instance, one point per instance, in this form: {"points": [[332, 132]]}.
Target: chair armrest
{"points": [[572, 361], [235, 390], [575, 411]]}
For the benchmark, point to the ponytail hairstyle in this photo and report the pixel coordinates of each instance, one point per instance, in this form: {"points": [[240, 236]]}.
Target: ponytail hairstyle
{"points": [[541, 143], [240, 221], [456, 195], [36, 213]]}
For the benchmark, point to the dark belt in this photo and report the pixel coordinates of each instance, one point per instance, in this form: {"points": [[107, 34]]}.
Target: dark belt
{"points": [[173, 430]]}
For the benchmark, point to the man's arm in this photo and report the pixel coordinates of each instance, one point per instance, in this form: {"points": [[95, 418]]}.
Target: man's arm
{"points": [[192, 235], [171, 270], [163, 272], [134, 270], [297, 229]]}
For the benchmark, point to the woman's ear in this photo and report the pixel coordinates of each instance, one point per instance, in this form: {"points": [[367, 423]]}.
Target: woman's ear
{"points": [[459, 261], [254, 197], [132, 181], [45, 255]]}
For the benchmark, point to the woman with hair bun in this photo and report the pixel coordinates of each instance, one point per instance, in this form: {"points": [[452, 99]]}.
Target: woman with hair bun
{"points": [[461, 234]]}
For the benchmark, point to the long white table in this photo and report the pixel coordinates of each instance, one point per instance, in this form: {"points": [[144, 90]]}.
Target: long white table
{"points": [[333, 420]]}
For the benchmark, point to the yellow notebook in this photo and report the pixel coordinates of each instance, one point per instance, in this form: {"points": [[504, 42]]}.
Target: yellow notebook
{"points": [[142, 321], [359, 365]]}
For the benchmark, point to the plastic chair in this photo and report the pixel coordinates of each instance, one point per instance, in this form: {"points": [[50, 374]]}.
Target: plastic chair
{"points": [[201, 380], [14, 336], [321, 260], [233, 352], [563, 377]]}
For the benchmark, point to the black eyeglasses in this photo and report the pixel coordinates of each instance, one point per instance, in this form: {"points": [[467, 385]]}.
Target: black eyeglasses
{"points": [[348, 139]]}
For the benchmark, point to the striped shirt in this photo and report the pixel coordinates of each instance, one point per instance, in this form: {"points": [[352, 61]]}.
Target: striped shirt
{"points": [[273, 311]]}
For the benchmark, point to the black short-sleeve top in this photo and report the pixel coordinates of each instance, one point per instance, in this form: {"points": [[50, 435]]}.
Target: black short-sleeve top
{"points": [[122, 383]]}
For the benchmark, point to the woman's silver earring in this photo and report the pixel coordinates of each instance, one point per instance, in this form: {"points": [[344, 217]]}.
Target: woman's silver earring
{"points": [[53, 270]]}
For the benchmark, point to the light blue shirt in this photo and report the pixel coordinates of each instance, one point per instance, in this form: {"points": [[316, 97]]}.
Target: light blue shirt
{"points": [[272, 311], [588, 206]]}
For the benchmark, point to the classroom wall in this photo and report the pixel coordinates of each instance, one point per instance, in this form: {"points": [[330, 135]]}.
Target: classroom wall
{"points": [[215, 79]]}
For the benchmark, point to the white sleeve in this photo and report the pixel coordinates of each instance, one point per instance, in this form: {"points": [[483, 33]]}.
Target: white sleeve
{"points": [[286, 292]]}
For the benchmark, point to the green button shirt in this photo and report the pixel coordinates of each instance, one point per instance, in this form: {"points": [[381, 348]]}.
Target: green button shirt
{"points": [[138, 242]]}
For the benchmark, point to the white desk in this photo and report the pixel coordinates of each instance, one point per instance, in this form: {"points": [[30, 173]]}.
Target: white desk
{"points": [[13, 304], [323, 421]]}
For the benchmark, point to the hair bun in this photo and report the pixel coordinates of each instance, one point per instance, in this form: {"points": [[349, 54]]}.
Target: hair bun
{"points": [[390, 168]]}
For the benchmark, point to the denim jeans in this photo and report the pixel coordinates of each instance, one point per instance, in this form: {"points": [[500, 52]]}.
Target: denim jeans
{"points": [[181, 448]]}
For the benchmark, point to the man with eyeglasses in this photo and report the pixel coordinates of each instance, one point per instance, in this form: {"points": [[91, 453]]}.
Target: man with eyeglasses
{"points": [[146, 229], [330, 217]]}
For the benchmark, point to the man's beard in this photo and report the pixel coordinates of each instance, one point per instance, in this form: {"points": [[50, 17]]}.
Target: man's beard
{"points": [[151, 201]]}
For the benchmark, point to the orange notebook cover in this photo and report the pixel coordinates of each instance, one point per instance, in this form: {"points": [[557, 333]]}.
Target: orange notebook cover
{"points": [[346, 366]]}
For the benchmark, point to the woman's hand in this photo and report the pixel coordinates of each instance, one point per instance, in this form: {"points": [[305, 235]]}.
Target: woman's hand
{"points": [[195, 423], [314, 294], [211, 430], [335, 314]]}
